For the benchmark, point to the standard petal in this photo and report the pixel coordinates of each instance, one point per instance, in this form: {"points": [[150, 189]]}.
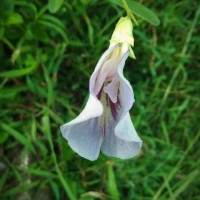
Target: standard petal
{"points": [[84, 138], [115, 147], [103, 67]]}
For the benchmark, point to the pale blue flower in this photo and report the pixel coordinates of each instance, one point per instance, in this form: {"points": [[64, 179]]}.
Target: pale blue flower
{"points": [[105, 124]]}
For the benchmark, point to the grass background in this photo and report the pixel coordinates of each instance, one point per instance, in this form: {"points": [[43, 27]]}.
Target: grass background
{"points": [[47, 58]]}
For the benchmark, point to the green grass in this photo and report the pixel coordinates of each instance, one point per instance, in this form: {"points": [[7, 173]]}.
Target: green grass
{"points": [[47, 58]]}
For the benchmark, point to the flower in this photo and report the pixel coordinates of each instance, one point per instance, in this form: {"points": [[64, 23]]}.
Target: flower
{"points": [[105, 124]]}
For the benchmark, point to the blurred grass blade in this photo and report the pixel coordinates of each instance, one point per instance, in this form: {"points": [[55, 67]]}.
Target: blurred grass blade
{"points": [[112, 186], [91, 195], [3, 137], [15, 55], [47, 130], [191, 177], [182, 54], [55, 188], [7, 93], [176, 167], [50, 96], [140, 11], [54, 5], [3, 180], [16, 190], [53, 20], [18, 136], [43, 173], [55, 27], [16, 72], [90, 30]]}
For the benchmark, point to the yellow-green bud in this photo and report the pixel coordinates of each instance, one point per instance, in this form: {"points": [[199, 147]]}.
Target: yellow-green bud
{"points": [[123, 35]]}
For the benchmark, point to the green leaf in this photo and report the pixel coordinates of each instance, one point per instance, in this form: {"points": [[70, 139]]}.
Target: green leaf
{"points": [[140, 11], [14, 18], [16, 72], [143, 12], [54, 5]]}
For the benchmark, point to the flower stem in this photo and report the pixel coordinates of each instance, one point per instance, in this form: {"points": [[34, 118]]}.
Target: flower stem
{"points": [[129, 12]]}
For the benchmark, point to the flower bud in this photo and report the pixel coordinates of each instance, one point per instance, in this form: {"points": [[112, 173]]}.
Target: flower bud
{"points": [[123, 35]]}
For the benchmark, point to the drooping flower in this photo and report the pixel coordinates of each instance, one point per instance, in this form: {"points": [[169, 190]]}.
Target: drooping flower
{"points": [[105, 124]]}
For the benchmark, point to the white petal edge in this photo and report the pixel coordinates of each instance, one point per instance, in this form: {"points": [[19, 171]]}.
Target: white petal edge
{"points": [[92, 109], [82, 134], [84, 138]]}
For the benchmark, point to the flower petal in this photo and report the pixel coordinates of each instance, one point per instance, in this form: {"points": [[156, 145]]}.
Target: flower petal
{"points": [[116, 147], [84, 138], [124, 128], [102, 69], [126, 92], [82, 133], [92, 109], [126, 131], [112, 89]]}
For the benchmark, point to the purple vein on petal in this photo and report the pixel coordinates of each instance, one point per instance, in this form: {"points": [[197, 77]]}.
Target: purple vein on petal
{"points": [[115, 107]]}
